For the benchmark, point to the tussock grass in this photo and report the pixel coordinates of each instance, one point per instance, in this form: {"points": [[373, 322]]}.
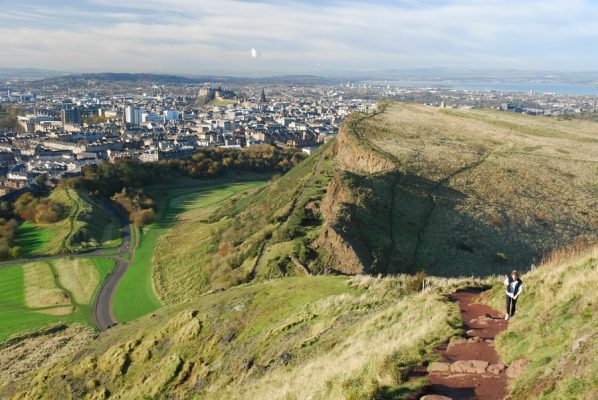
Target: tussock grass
{"points": [[555, 327], [184, 251]]}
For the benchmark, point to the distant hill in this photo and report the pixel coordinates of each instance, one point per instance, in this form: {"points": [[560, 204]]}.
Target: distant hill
{"points": [[74, 80], [27, 73]]}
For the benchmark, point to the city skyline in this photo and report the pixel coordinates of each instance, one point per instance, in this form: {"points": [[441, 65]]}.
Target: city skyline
{"points": [[315, 37]]}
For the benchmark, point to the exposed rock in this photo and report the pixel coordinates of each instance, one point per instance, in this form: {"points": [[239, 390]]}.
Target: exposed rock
{"points": [[439, 367], [471, 332], [516, 368], [338, 244], [456, 341], [356, 157], [285, 357], [495, 369], [469, 366], [580, 342], [229, 336], [475, 339], [435, 397]]}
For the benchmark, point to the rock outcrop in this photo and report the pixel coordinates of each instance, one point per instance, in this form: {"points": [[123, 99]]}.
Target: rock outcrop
{"points": [[357, 157]]}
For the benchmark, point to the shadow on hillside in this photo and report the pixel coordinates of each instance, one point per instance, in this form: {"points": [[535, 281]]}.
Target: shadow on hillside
{"points": [[406, 224]]}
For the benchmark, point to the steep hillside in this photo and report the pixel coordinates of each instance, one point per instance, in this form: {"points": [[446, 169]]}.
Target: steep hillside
{"points": [[555, 328], [317, 337], [409, 188], [262, 234]]}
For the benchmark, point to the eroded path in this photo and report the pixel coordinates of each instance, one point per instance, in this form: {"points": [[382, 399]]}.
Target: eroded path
{"points": [[469, 367]]}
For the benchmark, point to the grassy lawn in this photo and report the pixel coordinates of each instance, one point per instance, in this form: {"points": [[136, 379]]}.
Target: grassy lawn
{"points": [[35, 239], [23, 285], [135, 295]]}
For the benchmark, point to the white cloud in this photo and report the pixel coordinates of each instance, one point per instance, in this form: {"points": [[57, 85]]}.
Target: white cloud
{"points": [[212, 37]]}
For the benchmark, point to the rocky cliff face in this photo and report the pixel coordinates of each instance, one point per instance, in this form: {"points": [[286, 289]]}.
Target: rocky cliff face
{"points": [[335, 240], [352, 155], [341, 238]]}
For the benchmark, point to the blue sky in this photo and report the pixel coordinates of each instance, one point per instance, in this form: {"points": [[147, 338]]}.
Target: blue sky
{"points": [[317, 36]]}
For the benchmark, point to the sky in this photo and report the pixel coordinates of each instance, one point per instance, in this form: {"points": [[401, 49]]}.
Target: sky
{"points": [[242, 37]]}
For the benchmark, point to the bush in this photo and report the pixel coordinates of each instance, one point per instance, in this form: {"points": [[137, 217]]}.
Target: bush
{"points": [[41, 211]]}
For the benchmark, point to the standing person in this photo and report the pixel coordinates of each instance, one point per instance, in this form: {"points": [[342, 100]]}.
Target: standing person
{"points": [[514, 286]]}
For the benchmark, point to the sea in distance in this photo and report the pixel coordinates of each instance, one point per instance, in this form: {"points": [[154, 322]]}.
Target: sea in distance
{"points": [[505, 87]]}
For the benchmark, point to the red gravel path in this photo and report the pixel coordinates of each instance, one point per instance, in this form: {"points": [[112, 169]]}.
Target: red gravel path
{"points": [[470, 386]]}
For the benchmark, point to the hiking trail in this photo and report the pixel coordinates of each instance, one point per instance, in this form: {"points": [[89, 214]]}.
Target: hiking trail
{"points": [[469, 367]]}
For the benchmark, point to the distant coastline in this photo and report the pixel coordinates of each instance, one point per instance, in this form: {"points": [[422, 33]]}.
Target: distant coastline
{"points": [[486, 86]]}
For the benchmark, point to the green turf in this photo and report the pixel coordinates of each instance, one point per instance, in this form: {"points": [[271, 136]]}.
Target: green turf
{"points": [[16, 317], [34, 239], [135, 294]]}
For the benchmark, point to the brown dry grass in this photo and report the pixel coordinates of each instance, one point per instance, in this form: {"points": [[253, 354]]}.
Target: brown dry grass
{"points": [[41, 289], [79, 276]]}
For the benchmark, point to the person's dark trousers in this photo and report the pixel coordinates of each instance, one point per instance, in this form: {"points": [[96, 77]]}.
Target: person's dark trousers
{"points": [[511, 306]]}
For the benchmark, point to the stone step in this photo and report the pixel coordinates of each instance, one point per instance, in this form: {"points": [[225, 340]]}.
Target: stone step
{"points": [[467, 367], [457, 341]]}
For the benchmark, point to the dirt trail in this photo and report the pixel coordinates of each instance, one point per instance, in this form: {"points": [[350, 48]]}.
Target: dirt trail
{"points": [[485, 378]]}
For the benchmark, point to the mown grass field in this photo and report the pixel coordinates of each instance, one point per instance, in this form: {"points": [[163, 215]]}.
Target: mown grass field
{"points": [[36, 294], [555, 328], [87, 225], [315, 337], [135, 295]]}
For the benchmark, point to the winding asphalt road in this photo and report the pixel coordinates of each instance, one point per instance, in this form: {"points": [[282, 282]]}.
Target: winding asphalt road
{"points": [[102, 308]]}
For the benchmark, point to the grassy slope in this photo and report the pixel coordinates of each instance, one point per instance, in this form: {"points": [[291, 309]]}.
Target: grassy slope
{"points": [[317, 337], [221, 247], [555, 329], [135, 295], [464, 186], [16, 317], [87, 225]]}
